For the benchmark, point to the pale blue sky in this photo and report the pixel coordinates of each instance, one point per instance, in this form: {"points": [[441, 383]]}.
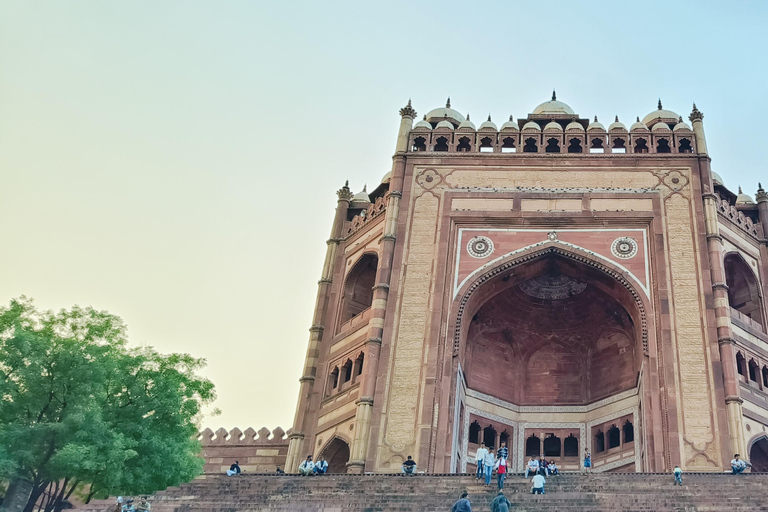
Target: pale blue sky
{"points": [[175, 162]]}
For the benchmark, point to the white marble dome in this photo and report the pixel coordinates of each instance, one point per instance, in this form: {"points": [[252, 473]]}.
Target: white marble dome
{"points": [[596, 126], [553, 127], [488, 125], [510, 125], [531, 126], [574, 127], [466, 125], [422, 125]]}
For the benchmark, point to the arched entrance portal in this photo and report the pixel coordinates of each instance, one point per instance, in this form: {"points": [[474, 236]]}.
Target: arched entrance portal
{"points": [[553, 354], [758, 455], [337, 455]]}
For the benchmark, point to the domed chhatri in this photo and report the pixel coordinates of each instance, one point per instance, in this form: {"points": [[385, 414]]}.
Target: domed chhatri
{"points": [[422, 125], [661, 115], [466, 125], [638, 126], [553, 107], [743, 198], [510, 125], [617, 126], [553, 126], [445, 114], [596, 126], [488, 125]]}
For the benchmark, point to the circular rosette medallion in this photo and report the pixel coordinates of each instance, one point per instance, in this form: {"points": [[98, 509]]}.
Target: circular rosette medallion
{"points": [[624, 247], [480, 247]]}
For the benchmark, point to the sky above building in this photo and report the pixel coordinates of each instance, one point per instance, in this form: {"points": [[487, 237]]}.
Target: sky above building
{"points": [[176, 162]]}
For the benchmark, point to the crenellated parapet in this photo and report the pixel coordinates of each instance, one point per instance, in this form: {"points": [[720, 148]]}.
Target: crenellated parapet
{"points": [[730, 212], [366, 217], [257, 451]]}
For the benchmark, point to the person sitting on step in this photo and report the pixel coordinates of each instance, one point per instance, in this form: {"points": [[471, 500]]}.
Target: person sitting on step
{"points": [[543, 467], [307, 467], [234, 469], [409, 466], [532, 468], [553, 468], [279, 471], [321, 466], [738, 465], [678, 475], [500, 503]]}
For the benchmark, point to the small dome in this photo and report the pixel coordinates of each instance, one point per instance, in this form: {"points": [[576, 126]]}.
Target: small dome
{"points": [[422, 125], [467, 125], [439, 114], [660, 127], [362, 196], [617, 126], [716, 179], [682, 127], [489, 125], [510, 125], [554, 107], [660, 114], [531, 126], [444, 124], [552, 126], [743, 198], [595, 125], [574, 127], [638, 126]]}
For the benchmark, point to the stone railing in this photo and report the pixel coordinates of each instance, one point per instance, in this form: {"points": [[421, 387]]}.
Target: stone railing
{"points": [[373, 211], [257, 452], [730, 212]]}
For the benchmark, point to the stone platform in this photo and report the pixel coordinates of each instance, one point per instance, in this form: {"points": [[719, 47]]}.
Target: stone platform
{"points": [[615, 492]]}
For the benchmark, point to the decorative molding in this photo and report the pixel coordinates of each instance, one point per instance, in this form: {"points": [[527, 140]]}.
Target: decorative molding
{"points": [[552, 408], [365, 400], [307, 378], [385, 238], [480, 247], [317, 328], [720, 286], [373, 341], [381, 286], [325, 280]]}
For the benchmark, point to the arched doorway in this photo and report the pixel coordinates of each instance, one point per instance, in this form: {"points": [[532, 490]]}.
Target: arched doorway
{"points": [[743, 289], [758, 455], [358, 287], [555, 340], [337, 455]]}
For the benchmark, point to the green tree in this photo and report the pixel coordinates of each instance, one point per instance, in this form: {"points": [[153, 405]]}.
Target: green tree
{"points": [[80, 409]]}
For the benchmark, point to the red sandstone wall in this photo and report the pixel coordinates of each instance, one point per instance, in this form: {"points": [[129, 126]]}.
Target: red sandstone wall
{"points": [[258, 452]]}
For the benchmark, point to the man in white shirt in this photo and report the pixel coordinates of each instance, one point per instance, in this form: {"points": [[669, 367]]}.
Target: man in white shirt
{"points": [[479, 458], [538, 484], [533, 467], [737, 465], [307, 467], [321, 466]]}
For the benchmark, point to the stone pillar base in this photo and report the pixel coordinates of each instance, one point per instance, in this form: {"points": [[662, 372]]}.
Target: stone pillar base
{"points": [[356, 467], [17, 496]]}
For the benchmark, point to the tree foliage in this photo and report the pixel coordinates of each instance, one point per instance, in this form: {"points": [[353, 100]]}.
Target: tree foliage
{"points": [[80, 407]]}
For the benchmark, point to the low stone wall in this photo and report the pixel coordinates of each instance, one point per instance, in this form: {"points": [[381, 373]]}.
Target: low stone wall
{"points": [[257, 452]]}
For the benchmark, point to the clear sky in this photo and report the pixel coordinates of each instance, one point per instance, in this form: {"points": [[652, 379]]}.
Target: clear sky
{"points": [[176, 162]]}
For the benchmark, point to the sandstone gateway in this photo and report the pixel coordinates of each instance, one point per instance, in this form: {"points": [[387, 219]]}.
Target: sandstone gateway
{"points": [[550, 283]]}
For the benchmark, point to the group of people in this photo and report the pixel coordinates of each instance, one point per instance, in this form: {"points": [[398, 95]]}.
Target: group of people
{"points": [[488, 462], [308, 467], [128, 505], [499, 504]]}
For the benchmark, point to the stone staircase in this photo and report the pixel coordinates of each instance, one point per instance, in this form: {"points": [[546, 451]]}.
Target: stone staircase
{"points": [[615, 492]]}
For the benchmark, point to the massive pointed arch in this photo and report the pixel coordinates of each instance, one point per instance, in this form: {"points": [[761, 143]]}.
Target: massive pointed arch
{"points": [[358, 286], [474, 292]]}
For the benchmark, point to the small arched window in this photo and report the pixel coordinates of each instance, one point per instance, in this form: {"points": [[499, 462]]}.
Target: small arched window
{"points": [[629, 432], [419, 144], [754, 369], [596, 146], [474, 432], [553, 146], [765, 376], [486, 145], [741, 364], [619, 145], [489, 436], [599, 442], [614, 437], [464, 146], [552, 446], [574, 146], [533, 446], [641, 146], [571, 446], [530, 146], [684, 146], [441, 144], [504, 438], [508, 145], [333, 381], [662, 146], [346, 371], [359, 364]]}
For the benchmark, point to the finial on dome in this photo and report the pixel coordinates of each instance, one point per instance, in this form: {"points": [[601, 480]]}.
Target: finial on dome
{"points": [[759, 186], [468, 116], [617, 119], [554, 95], [660, 107], [740, 192], [595, 118], [346, 184], [489, 117], [511, 117], [696, 114], [638, 119], [344, 193], [408, 111], [448, 103]]}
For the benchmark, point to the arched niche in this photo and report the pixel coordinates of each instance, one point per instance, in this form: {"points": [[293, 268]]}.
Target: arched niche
{"points": [[358, 287], [336, 453], [743, 288]]}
